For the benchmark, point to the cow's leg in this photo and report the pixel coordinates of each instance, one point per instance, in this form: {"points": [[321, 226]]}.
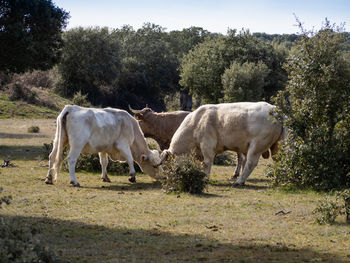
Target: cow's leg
{"points": [[244, 160], [238, 167], [73, 155], [125, 151], [104, 163], [208, 153], [250, 162], [52, 158]]}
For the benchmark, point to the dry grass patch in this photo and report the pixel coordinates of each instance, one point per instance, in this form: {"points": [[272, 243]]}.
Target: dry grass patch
{"points": [[124, 222]]}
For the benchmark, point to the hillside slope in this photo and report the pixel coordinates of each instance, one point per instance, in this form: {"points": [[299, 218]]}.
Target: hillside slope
{"points": [[46, 105]]}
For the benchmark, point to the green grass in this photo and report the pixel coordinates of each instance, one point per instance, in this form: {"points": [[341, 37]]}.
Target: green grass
{"points": [[20, 109], [124, 222]]}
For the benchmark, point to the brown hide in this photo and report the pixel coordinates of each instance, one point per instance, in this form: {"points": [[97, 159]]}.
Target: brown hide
{"points": [[159, 126]]}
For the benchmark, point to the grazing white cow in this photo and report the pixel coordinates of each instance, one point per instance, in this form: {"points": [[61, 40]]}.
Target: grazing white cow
{"points": [[244, 127], [109, 132]]}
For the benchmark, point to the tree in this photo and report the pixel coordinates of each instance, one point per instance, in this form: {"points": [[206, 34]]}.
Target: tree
{"points": [[181, 42], [315, 109], [90, 61], [202, 68], [30, 34], [244, 47], [244, 82], [149, 68]]}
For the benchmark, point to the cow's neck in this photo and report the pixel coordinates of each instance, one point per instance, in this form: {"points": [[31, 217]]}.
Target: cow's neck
{"points": [[139, 147]]}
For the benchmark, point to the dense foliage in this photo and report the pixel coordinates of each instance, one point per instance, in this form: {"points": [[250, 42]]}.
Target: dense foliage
{"points": [[90, 60], [244, 82], [184, 174], [88, 162], [30, 34], [202, 69], [118, 67], [316, 112], [328, 210]]}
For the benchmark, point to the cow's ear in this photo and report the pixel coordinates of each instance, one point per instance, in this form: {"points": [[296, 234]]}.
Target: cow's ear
{"points": [[144, 158], [138, 116]]}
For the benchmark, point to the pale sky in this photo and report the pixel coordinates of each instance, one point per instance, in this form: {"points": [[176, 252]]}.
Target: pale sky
{"points": [[215, 16]]}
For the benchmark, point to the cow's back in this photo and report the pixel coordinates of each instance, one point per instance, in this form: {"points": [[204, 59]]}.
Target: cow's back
{"points": [[233, 126], [240, 124], [102, 127]]}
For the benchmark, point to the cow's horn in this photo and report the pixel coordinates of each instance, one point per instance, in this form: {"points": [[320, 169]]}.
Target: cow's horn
{"points": [[134, 111]]}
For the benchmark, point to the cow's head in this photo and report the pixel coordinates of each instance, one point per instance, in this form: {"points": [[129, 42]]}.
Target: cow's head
{"points": [[163, 156], [141, 114], [145, 118], [150, 164]]}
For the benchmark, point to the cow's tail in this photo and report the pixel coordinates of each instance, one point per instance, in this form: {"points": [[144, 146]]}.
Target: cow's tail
{"points": [[275, 146], [60, 139]]}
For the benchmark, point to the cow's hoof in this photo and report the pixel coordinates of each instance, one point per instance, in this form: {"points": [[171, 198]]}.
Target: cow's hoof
{"points": [[234, 177], [107, 180], [48, 181], [236, 184], [75, 184], [132, 179]]}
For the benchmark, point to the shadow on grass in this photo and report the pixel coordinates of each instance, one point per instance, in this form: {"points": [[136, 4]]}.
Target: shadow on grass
{"points": [[129, 186], [246, 186], [80, 242], [259, 180], [4, 135], [20, 152]]}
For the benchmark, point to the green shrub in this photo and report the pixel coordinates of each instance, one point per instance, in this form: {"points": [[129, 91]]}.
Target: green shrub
{"points": [[88, 163], [33, 129], [18, 91], [328, 209], [81, 100], [46, 150], [244, 82], [225, 158], [91, 163], [4, 199], [184, 174], [315, 109]]}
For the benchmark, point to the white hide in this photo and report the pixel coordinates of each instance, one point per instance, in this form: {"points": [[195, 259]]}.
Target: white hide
{"points": [[109, 132], [244, 127]]}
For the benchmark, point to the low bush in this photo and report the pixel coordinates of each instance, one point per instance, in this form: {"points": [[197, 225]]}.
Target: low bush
{"points": [[18, 91], [225, 158], [33, 129], [184, 174], [81, 100], [88, 163], [91, 163], [38, 78], [328, 210]]}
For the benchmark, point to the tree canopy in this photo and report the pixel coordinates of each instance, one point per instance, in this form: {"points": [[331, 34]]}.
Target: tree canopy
{"points": [[203, 67], [315, 110], [30, 34]]}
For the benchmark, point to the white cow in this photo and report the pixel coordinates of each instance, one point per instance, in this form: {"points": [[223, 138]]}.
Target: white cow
{"points": [[108, 132], [244, 127]]}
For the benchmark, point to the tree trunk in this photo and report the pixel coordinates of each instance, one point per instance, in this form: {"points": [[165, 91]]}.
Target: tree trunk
{"points": [[185, 100]]}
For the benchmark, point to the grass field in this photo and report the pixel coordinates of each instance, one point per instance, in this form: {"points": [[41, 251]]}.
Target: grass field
{"points": [[124, 222]]}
